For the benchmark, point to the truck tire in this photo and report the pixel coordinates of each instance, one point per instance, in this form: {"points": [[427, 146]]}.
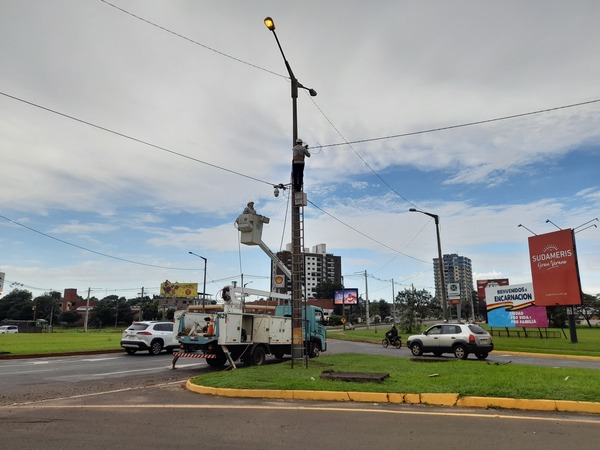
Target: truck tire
{"points": [[219, 361], [278, 354], [258, 356], [313, 350]]}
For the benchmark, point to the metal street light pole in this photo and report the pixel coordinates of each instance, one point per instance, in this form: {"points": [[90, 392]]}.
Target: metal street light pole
{"points": [[204, 285], [436, 218], [297, 202]]}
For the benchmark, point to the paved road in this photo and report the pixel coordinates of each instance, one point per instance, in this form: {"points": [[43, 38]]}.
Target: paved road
{"points": [[168, 416]]}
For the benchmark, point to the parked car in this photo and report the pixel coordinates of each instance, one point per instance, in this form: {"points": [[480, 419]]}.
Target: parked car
{"points": [[153, 336], [461, 339], [4, 329]]}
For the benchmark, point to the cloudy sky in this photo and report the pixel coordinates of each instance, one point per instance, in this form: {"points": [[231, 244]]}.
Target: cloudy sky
{"points": [[133, 132]]}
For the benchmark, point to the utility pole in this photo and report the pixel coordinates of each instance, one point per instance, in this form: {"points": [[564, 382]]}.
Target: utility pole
{"points": [[393, 302], [367, 300], [87, 311]]}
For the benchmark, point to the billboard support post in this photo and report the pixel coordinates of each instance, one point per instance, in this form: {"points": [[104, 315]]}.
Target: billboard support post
{"points": [[572, 327]]}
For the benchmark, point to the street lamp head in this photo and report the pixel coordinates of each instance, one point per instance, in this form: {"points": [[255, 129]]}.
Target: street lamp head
{"points": [[413, 210], [312, 92], [270, 23]]}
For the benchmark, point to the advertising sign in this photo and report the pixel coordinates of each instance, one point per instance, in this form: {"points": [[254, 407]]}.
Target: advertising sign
{"points": [[345, 296], [453, 293], [514, 306], [554, 268], [482, 284], [178, 290]]}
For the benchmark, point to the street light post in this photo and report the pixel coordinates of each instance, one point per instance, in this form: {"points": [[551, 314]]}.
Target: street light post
{"points": [[436, 218], [204, 285], [297, 202]]}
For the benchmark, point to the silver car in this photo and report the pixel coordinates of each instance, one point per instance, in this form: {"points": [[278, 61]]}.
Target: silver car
{"points": [[461, 339]]}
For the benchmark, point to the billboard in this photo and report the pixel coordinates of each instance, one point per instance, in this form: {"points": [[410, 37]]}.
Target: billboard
{"points": [[482, 284], [514, 306], [178, 290], [345, 296], [554, 268]]}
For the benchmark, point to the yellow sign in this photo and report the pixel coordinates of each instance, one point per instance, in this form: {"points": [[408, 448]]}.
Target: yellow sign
{"points": [[179, 290]]}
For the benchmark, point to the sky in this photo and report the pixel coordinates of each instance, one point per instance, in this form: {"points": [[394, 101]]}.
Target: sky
{"points": [[133, 132]]}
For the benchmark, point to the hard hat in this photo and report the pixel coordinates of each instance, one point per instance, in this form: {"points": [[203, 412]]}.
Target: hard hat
{"points": [[298, 141]]}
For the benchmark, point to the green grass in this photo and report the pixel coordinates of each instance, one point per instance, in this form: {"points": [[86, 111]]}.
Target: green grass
{"points": [[467, 378], [588, 341], [60, 342]]}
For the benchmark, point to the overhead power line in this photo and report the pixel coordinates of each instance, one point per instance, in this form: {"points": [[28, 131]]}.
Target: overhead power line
{"points": [[89, 250], [462, 125]]}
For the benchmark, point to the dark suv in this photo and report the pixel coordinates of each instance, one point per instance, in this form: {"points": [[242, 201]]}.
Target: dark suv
{"points": [[458, 338], [149, 335]]}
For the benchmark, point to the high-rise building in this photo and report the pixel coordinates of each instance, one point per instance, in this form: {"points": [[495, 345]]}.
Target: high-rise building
{"points": [[319, 266], [457, 269]]}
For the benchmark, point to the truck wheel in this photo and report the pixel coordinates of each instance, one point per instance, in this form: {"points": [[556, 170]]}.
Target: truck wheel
{"points": [[314, 351], [258, 356], [156, 347], [219, 361]]}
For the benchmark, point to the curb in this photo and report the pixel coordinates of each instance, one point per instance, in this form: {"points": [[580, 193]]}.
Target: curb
{"points": [[397, 398]]}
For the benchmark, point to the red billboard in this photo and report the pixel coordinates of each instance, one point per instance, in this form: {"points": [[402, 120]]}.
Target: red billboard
{"points": [[554, 269], [482, 284]]}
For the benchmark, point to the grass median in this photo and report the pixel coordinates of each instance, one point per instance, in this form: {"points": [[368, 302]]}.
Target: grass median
{"points": [[417, 375]]}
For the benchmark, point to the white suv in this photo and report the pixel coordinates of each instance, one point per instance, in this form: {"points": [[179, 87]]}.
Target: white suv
{"points": [[458, 338], [9, 329], [149, 335]]}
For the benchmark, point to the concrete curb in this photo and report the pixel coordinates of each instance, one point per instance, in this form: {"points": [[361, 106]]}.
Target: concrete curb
{"points": [[425, 399]]}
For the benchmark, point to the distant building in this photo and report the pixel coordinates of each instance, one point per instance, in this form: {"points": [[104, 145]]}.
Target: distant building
{"points": [[319, 266], [457, 269]]}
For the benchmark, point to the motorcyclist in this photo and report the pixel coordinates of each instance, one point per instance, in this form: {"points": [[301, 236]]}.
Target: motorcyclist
{"points": [[392, 334]]}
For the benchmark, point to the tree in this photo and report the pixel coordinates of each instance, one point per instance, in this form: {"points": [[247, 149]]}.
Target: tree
{"points": [[380, 308], [325, 289], [413, 306], [46, 306], [69, 317], [150, 310], [103, 314], [17, 305], [557, 316], [589, 308]]}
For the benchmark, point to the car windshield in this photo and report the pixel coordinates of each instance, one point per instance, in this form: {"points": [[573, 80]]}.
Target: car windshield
{"points": [[477, 329]]}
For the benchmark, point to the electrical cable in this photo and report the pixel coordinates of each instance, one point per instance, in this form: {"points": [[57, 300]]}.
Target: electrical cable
{"points": [[89, 250]]}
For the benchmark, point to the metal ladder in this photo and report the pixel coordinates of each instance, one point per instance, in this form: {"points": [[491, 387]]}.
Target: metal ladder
{"points": [[298, 265]]}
